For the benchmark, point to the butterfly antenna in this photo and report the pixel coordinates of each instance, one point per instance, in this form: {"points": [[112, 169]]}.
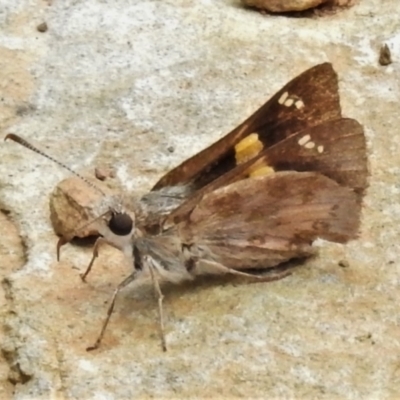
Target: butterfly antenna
{"points": [[23, 142]]}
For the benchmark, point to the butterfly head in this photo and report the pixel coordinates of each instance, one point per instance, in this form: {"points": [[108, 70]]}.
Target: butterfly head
{"points": [[121, 223]]}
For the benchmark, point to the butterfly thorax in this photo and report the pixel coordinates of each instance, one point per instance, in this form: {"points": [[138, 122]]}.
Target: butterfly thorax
{"points": [[166, 255], [156, 205]]}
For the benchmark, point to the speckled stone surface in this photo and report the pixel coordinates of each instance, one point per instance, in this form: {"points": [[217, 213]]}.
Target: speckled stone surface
{"points": [[118, 83]]}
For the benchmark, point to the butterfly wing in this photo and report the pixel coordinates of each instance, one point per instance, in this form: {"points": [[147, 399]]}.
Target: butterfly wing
{"points": [[261, 222], [308, 100], [336, 149]]}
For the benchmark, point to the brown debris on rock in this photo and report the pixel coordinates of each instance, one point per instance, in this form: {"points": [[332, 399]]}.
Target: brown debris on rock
{"points": [[283, 6]]}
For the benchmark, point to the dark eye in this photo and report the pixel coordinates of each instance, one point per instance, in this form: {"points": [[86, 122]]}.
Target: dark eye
{"points": [[120, 224]]}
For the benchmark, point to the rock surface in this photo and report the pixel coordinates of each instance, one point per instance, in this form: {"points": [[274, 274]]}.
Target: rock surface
{"points": [[279, 6], [118, 83]]}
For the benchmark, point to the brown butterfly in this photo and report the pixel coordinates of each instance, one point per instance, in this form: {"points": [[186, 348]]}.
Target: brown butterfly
{"points": [[294, 171]]}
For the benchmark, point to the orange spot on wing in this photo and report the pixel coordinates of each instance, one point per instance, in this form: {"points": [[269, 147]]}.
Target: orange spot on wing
{"points": [[248, 148]]}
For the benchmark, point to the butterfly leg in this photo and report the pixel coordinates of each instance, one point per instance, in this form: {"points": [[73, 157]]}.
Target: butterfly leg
{"points": [[218, 269], [160, 298], [110, 310], [96, 246]]}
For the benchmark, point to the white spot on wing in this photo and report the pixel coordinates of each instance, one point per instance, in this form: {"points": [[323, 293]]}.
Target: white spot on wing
{"points": [[304, 140], [320, 149], [299, 104], [283, 98], [309, 145], [288, 103]]}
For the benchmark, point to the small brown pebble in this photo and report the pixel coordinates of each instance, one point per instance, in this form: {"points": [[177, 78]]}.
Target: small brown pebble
{"points": [[42, 27], [282, 6], [344, 264], [102, 173], [385, 56], [73, 204]]}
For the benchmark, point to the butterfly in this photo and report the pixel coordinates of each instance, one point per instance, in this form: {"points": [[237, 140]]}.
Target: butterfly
{"points": [[293, 172]]}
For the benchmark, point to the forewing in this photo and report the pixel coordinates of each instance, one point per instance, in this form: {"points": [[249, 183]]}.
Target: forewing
{"points": [[335, 148], [277, 214], [306, 101]]}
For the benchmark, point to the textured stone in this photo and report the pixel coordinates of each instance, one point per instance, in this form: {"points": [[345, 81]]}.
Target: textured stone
{"points": [[120, 83]]}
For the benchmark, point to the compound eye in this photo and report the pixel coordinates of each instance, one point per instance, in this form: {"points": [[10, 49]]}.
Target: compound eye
{"points": [[121, 224]]}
